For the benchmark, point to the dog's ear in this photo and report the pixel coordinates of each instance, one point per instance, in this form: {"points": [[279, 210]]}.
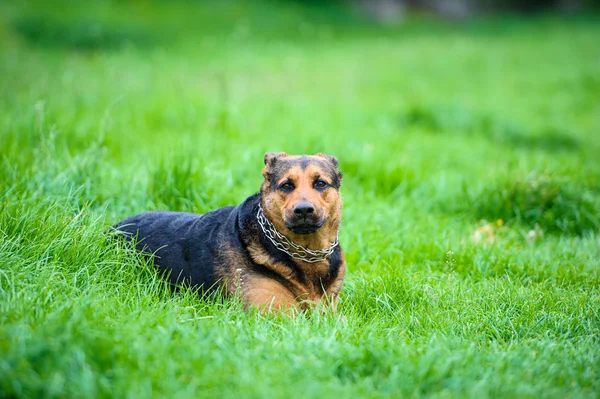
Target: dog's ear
{"points": [[330, 158], [272, 157], [270, 161], [334, 162]]}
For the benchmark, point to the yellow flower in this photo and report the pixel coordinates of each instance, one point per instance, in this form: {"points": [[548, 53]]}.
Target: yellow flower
{"points": [[499, 222]]}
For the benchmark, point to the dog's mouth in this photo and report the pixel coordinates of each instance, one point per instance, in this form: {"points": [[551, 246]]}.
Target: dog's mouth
{"points": [[304, 226]]}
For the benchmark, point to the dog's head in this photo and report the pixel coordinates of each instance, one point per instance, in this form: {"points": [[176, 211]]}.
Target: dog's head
{"points": [[301, 194]]}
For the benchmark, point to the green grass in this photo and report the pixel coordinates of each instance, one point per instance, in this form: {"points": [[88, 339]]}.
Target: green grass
{"points": [[471, 199]]}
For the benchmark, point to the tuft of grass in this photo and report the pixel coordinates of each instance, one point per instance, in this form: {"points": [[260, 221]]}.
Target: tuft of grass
{"points": [[555, 205], [185, 184], [455, 121], [381, 179], [179, 187]]}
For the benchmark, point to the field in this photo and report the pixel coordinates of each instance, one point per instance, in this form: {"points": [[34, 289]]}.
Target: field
{"points": [[471, 198]]}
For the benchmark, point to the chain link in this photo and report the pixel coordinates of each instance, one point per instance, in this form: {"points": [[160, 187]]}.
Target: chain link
{"points": [[285, 245]]}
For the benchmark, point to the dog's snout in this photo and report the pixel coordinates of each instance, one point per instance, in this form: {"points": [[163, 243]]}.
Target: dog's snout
{"points": [[304, 209]]}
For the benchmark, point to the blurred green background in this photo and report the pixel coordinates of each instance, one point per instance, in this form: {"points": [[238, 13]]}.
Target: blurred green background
{"points": [[468, 136]]}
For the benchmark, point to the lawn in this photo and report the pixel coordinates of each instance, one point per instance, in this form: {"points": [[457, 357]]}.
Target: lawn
{"points": [[471, 198]]}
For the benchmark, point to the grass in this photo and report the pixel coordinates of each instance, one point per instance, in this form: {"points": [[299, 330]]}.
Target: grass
{"points": [[471, 199]]}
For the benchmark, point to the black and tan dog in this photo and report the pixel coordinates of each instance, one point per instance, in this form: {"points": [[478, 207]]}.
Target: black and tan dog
{"points": [[277, 250]]}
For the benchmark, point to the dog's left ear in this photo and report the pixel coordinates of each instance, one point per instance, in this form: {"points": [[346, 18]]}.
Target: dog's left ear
{"points": [[334, 162], [330, 158]]}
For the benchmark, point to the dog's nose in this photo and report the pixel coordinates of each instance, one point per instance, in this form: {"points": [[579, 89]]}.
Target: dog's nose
{"points": [[304, 209]]}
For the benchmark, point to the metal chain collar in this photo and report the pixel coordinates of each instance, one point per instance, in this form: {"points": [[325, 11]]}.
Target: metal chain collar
{"points": [[285, 245]]}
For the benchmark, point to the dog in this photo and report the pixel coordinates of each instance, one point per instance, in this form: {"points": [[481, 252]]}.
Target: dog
{"points": [[278, 250]]}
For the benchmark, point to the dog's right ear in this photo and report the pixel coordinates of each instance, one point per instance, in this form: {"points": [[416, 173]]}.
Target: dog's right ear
{"points": [[272, 157], [268, 171]]}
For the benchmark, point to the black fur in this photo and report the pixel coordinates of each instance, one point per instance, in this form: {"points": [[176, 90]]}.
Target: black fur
{"points": [[194, 249]]}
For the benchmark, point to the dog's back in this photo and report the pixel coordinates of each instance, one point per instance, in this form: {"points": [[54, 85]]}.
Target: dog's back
{"points": [[178, 241]]}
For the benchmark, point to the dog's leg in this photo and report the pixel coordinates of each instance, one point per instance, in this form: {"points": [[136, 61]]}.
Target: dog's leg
{"points": [[268, 295]]}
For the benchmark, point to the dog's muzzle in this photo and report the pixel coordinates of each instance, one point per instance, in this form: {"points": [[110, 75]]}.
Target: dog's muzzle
{"points": [[304, 219]]}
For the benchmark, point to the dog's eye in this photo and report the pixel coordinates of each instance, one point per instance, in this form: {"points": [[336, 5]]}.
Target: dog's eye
{"points": [[320, 184], [287, 187]]}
